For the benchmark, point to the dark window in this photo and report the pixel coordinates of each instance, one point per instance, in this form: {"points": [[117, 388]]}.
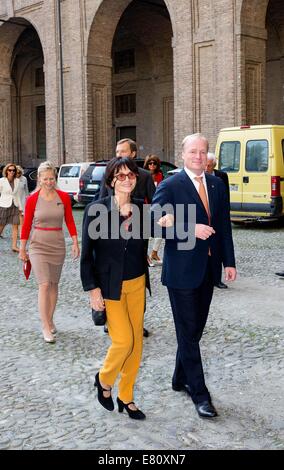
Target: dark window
{"points": [[229, 158], [39, 77], [40, 132], [126, 132], [257, 155], [125, 104], [98, 172], [124, 60]]}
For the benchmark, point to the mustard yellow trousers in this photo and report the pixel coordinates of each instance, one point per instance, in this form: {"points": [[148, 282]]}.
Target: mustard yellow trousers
{"points": [[125, 325]]}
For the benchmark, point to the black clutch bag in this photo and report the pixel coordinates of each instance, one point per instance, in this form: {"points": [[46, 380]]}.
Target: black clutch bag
{"points": [[99, 317]]}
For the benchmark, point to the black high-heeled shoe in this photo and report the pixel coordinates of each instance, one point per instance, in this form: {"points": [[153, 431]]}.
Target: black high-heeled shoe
{"points": [[106, 402], [134, 414]]}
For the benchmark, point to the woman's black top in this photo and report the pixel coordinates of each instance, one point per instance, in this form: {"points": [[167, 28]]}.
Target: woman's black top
{"points": [[107, 262]]}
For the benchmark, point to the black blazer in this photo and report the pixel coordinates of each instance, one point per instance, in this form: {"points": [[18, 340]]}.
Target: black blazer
{"points": [[224, 177], [185, 269], [102, 259], [144, 188]]}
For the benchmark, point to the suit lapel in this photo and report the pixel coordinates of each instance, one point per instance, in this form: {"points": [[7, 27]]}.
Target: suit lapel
{"points": [[211, 193], [189, 187]]}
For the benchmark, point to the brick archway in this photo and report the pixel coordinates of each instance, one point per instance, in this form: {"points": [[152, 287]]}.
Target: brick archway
{"points": [[100, 127], [20, 53], [260, 48]]}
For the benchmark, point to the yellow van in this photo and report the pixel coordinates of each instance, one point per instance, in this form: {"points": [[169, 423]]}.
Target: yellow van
{"points": [[253, 157]]}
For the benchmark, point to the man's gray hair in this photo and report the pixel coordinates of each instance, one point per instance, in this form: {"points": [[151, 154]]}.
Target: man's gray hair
{"points": [[192, 137], [211, 156]]}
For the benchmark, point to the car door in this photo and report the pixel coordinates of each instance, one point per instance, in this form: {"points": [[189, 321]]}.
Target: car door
{"points": [[256, 176], [229, 161]]}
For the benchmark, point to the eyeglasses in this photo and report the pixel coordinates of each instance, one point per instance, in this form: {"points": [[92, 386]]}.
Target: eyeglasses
{"points": [[123, 176], [152, 163], [11, 169]]}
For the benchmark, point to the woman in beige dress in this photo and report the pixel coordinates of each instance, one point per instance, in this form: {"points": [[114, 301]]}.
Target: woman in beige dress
{"points": [[46, 208]]}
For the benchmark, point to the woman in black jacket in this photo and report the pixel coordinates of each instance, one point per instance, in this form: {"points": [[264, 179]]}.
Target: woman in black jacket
{"points": [[114, 270]]}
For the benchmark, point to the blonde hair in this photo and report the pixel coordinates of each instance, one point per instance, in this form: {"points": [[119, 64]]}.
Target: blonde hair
{"points": [[20, 171], [46, 166], [5, 169], [192, 137]]}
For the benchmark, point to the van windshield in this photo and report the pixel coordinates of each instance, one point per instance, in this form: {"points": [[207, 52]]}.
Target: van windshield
{"points": [[70, 171], [229, 157]]}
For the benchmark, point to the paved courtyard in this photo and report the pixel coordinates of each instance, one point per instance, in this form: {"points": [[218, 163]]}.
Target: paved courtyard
{"points": [[47, 398]]}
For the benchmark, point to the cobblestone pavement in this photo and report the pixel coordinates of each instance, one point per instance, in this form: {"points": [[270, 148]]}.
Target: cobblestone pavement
{"points": [[47, 398]]}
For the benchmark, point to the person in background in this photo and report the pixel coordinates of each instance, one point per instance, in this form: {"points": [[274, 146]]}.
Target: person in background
{"points": [[9, 202], [190, 272], [47, 207], [153, 164], [114, 271], [210, 168], [23, 192], [145, 188]]}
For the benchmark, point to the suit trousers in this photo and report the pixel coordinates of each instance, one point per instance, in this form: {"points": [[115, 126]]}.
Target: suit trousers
{"points": [[125, 325], [190, 311]]}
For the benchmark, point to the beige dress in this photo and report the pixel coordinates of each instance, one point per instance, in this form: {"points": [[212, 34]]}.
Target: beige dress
{"points": [[47, 247]]}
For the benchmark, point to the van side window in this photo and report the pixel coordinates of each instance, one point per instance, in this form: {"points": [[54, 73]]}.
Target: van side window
{"points": [[229, 157], [257, 155]]}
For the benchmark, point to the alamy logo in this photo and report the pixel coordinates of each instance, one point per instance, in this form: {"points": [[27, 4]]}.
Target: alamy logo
{"points": [[175, 223]]}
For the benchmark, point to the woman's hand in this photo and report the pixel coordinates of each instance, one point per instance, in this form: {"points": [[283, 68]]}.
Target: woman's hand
{"points": [[96, 299], [75, 251], [23, 255]]}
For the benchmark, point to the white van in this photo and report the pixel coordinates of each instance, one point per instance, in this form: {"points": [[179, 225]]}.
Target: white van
{"points": [[68, 178]]}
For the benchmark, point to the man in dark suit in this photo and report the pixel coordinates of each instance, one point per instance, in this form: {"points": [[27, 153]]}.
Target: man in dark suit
{"points": [[145, 187], [189, 274], [210, 168]]}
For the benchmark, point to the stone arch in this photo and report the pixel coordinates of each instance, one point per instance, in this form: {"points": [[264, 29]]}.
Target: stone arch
{"points": [[258, 46], [15, 122], [100, 127]]}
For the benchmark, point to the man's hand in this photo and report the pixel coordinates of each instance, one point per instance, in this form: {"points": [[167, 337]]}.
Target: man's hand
{"points": [[166, 221], [230, 274], [203, 231]]}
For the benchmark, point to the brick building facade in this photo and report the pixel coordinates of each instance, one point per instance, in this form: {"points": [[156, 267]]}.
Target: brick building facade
{"points": [[154, 70]]}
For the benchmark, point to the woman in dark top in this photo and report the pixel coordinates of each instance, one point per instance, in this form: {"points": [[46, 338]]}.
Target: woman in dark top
{"points": [[114, 270]]}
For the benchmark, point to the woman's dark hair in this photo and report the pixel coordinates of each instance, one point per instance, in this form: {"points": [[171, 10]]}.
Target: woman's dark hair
{"points": [[152, 158], [116, 164]]}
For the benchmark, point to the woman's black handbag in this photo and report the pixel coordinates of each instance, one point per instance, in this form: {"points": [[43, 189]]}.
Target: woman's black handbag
{"points": [[99, 317]]}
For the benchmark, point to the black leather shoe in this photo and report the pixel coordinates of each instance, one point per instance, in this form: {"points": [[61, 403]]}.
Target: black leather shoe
{"points": [[106, 402], [134, 414], [181, 388], [221, 285], [105, 329], [205, 409], [281, 274], [145, 333]]}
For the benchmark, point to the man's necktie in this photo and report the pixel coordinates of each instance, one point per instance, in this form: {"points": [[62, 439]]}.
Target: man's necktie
{"points": [[203, 195]]}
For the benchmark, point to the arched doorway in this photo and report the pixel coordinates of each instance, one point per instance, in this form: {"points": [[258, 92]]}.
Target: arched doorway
{"points": [[130, 78], [275, 62], [22, 94], [261, 62]]}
